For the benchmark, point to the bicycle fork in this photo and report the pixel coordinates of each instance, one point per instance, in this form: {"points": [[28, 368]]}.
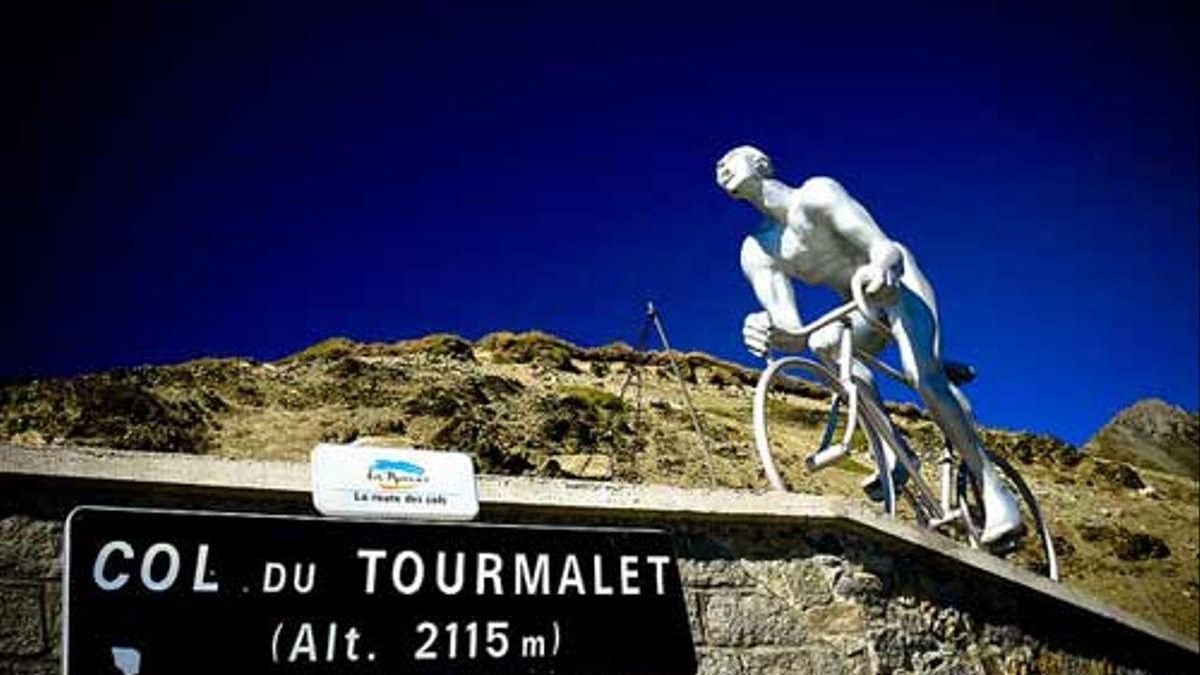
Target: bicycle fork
{"points": [[828, 454]]}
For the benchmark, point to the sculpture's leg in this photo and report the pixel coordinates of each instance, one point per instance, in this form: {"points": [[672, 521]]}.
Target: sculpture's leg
{"points": [[866, 339], [915, 326]]}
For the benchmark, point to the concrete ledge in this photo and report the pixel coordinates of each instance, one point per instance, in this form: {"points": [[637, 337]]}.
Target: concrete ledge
{"points": [[650, 504]]}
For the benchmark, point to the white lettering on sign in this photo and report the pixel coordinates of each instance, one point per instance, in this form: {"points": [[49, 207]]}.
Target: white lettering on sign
{"points": [[152, 553], [111, 583], [199, 582], [489, 569], [660, 562], [497, 575], [443, 586], [280, 598], [571, 576], [103, 568], [372, 557], [418, 573], [535, 582], [629, 575], [275, 577], [598, 577], [305, 644]]}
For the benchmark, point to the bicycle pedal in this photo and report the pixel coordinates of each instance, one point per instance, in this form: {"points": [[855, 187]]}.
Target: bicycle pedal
{"points": [[952, 518], [825, 456]]}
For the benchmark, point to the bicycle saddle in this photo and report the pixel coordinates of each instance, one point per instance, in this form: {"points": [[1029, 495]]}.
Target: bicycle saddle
{"points": [[958, 373]]}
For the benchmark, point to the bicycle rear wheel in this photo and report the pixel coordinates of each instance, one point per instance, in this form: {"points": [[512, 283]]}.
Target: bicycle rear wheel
{"points": [[1035, 551]]}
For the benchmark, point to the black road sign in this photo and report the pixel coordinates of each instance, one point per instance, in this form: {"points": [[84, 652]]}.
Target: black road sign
{"points": [[149, 592]]}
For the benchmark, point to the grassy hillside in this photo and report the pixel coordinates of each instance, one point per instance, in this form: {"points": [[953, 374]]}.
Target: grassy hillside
{"points": [[533, 404]]}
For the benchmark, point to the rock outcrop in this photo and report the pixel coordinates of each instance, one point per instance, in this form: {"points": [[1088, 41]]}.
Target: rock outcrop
{"points": [[1152, 434]]}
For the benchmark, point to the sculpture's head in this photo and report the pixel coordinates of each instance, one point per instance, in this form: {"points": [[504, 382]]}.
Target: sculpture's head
{"points": [[742, 169]]}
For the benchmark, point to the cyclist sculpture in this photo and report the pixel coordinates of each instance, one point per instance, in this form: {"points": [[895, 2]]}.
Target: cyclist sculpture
{"points": [[819, 234]]}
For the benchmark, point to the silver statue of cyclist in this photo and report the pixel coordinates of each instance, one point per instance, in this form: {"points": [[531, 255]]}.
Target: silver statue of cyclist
{"points": [[819, 234]]}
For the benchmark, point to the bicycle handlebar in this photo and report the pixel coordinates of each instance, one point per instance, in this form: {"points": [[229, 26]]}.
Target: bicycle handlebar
{"points": [[857, 303]]}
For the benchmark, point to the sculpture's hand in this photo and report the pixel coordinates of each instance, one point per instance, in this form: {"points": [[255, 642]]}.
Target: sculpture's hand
{"points": [[878, 282], [756, 333], [882, 274], [875, 278], [760, 335]]}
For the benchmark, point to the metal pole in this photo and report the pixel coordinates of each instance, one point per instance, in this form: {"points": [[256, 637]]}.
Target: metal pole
{"points": [[635, 373], [652, 313]]}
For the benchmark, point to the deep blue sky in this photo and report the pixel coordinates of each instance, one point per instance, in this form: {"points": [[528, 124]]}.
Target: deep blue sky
{"points": [[248, 178]]}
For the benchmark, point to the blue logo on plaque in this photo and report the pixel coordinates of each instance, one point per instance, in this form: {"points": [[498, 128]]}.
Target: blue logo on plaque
{"points": [[394, 474]]}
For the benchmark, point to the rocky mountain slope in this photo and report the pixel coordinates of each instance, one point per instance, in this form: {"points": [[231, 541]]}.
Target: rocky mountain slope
{"points": [[533, 404], [1152, 433]]}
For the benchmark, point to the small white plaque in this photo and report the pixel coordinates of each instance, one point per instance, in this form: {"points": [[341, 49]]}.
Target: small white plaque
{"points": [[350, 480]]}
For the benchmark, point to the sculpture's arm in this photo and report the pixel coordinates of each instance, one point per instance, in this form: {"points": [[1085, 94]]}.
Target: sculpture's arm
{"points": [[771, 286], [779, 325], [825, 201]]}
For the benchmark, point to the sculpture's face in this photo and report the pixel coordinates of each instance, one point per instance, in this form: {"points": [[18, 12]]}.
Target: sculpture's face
{"points": [[741, 169]]}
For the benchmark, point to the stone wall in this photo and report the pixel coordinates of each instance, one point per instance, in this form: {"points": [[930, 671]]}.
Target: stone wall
{"points": [[829, 601], [766, 593], [29, 594]]}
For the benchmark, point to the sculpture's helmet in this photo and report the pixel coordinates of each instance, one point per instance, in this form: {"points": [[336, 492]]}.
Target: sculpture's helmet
{"points": [[740, 165]]}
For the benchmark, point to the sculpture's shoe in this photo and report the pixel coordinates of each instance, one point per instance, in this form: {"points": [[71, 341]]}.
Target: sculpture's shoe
{"points": [[874, 487], [1002, 515]]}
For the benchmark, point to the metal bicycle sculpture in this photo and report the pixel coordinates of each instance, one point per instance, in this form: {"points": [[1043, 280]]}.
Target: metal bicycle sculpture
{"points": [[956, 507]]}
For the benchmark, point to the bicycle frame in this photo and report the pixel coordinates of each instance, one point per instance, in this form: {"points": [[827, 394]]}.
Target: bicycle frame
{"points": [[936, 512]]}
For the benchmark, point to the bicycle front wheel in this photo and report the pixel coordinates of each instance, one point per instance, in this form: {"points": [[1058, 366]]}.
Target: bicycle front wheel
{"points": [[873, 422], [770, 379], [773, 378]]}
